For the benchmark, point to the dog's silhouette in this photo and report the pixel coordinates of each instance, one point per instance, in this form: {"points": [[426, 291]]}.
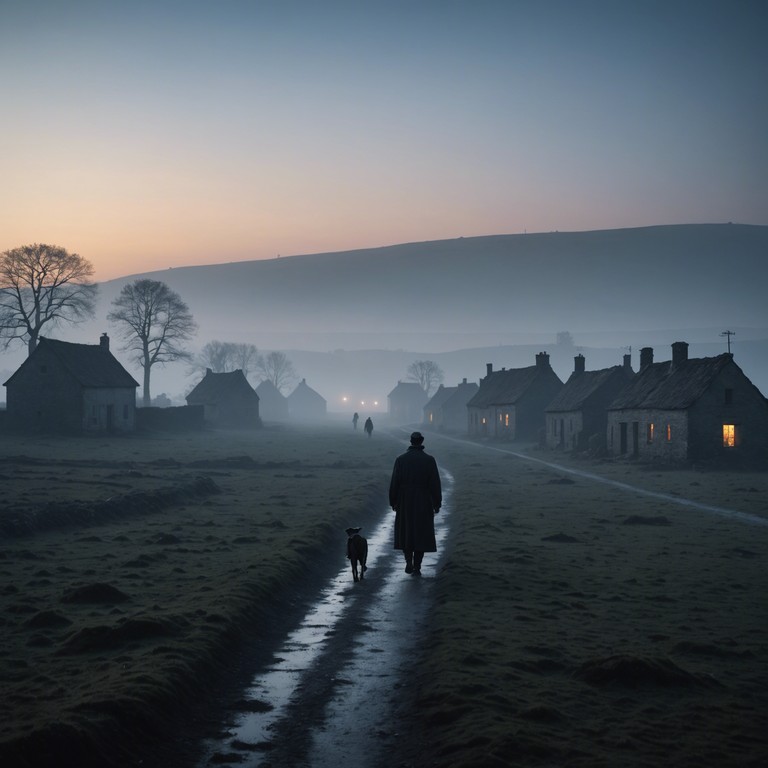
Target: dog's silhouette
{"points": [[357, 552]]}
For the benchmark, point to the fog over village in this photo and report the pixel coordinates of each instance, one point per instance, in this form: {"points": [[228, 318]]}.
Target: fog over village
{"points": [[352, 322]]}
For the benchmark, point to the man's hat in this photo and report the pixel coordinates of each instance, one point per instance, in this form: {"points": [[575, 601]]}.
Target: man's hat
{"points": [[417, 437]]}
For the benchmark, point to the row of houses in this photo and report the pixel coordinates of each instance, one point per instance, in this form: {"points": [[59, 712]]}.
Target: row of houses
{"points": [[83, 388], [682, 409]]}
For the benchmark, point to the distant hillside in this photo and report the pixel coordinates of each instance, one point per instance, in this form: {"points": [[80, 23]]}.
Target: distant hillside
{"points": [[499, 289]]}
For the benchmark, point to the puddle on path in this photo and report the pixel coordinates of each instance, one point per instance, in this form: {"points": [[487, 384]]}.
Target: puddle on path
{"points": [[389, 607]]}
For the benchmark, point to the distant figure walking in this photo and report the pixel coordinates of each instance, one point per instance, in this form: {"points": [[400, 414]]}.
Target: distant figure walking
{"points": [[354, 420], [368, 426], [416, 496]]}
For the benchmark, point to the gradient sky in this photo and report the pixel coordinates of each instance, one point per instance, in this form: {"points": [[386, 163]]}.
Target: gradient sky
{"points": [[146, 135]]}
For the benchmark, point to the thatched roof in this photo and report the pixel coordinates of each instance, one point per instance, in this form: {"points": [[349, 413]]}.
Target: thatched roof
{"points": [[669, 386], [439, 398], [506, 387], [582, 385], [215, 387], [91, 365]]}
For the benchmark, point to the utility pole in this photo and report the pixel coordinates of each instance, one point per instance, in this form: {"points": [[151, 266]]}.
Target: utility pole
{"points": [[728, 334]]}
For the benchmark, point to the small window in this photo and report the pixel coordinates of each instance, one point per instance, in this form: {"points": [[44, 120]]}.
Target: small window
{"points": [[506, 419], [650, 432], [728, 396], [729, 435], [669, 433]]}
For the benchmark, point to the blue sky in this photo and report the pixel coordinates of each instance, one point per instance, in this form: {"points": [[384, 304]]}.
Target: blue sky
{"points": [[149, 135]]}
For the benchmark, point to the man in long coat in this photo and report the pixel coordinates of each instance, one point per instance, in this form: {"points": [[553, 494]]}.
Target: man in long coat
{"points": [[416, 496]]}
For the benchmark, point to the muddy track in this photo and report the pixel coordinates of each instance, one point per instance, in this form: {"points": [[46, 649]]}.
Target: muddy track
{"points": [[341, 669]]}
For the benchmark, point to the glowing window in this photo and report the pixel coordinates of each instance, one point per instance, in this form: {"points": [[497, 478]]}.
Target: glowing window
{"points": [[729, 435], [650, 432], [506, 419], [482, 421], [669, 433]]}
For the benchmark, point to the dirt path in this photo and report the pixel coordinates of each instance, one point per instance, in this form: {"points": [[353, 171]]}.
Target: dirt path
{"points": [[341, 670]]}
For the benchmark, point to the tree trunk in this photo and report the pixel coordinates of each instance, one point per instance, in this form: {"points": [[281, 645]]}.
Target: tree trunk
{"points": [[147, 396]]}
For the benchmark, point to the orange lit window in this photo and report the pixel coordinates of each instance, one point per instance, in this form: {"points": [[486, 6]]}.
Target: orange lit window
{"points": [[669, 433], [506, 419], [729, 435], [650, 432]]}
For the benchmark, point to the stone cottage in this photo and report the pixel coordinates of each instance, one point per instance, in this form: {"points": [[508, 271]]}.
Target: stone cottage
{"points": [[304, 404], [509, 404], [579, 411], [71, 388], [405, 403], [689, 409], [273, 405], [228, 400]]}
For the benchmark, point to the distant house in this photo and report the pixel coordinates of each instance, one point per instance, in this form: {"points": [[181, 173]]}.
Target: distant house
{"points": [[306, 404], [433, 410], [273, 405], [405, 403], [71, 388], [579, 410], [447, 408], [228, 400], [698, 409], [509, 404]]}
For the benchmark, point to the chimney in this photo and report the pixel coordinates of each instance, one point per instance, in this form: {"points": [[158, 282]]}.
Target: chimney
{"points": [[628, 362], [104, 342], [578, 364], [464, 380], [646, 357], [679, 353], [208, 371], [488, 369], [542, 360]]}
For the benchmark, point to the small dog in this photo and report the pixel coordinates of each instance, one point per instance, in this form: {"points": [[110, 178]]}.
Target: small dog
{"points": [[357, 552]]}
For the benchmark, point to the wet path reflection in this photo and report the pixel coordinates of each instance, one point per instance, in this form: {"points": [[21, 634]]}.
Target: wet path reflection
{"points": [[339, 672]]}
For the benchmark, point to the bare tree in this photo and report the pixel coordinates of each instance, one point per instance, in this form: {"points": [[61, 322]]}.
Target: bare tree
{"points": [[245, 357], [224, 356], [277, 368], [155, 323], [42, 285], [427, 373]]}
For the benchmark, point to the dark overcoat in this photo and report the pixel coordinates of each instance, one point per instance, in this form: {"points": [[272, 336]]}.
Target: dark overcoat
{"points": [[415, 494]]}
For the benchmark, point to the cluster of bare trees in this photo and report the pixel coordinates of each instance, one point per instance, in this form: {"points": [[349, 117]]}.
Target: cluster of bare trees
{"points": [[44, 285]]}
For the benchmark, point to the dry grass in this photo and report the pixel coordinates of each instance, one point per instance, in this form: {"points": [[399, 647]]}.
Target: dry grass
{"points": [[575, 623], [107, 624]]}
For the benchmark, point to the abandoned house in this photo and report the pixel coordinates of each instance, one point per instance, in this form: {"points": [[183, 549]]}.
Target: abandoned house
{"points": [[509, 404], [306, 404], [699, 409], [228, 400], [447, 411], [273, 405], [71, 388], [405, 403], [578, 413]]}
